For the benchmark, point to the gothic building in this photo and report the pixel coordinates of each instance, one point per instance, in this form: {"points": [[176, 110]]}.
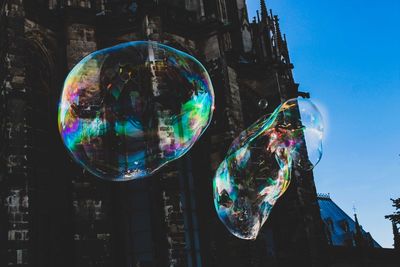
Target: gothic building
{"points": [[349, 243], [54, 213], [340, 228]]}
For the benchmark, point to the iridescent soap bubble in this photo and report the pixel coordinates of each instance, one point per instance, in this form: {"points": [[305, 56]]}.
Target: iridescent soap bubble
{"points": [[257, 168], [128, 110], [263, 103]]}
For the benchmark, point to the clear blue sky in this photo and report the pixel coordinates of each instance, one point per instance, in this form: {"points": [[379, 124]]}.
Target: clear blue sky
{"points": [[347, 55]]}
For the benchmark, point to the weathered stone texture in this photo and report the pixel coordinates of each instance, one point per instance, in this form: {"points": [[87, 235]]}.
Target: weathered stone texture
{"points": [[81, 42]]}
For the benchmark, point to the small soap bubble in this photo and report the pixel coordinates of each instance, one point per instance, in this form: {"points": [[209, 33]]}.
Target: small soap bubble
{"points": [[127, 110], [263, 103], [257, 168]]}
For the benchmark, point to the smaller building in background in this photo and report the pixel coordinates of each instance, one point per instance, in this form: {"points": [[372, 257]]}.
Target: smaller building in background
{"points": [[348, 243], [340, 228]]}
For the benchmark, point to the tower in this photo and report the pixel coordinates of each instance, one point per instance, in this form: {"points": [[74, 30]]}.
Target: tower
{"points": [[167, 219]]}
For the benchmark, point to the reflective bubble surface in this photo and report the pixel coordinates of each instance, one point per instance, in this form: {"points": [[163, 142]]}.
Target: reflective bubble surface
{"points": [[263, 103], [128, 110], [313, 131], [258, 165]]}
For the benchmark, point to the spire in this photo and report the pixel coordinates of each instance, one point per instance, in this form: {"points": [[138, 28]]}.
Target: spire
{"points": [[278, 33], [396, 236], [358, 235], [264, 12], [358, 227], [245, 15]]}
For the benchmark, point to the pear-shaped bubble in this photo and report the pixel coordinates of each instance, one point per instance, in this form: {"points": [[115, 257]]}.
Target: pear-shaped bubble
{"points": [[257, 168], [127, 110]]}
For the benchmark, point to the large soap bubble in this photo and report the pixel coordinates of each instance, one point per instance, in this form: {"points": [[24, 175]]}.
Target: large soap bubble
{"points": [[128, 110], [258, 165]]}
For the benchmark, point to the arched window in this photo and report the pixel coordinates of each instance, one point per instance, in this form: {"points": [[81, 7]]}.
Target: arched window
{"points": [[329, 229], [329, 223], [344, 225]]}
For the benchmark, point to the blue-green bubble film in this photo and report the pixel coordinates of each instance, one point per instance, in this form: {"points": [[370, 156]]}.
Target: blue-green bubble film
{"points": [[127, 110]]}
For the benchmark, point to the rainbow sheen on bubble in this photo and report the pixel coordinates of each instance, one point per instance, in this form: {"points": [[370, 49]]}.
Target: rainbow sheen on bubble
{"points": [[128, 110], [257, 168]]}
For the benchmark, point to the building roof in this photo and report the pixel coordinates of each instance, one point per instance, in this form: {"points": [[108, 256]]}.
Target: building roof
{"points": [[340, 228]]}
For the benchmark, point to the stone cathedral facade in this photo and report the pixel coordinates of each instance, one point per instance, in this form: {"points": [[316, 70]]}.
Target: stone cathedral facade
{"points": [[53, 213]]}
